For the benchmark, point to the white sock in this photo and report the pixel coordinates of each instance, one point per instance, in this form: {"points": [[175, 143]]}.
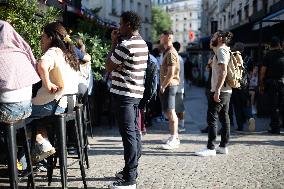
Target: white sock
{"points": [[174, 136]]}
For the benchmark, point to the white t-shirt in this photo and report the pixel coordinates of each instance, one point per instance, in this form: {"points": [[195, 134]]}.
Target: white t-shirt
{"points": [[19, 95], [61, 74], [222, 57]]}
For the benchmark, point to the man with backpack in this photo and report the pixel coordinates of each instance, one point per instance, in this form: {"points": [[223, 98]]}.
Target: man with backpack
{"points": [[220, 95], [240, 99], [169, 81]]}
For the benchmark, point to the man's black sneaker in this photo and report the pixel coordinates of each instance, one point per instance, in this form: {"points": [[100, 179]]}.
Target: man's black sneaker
{"points": [[119, 175], [122, 184]]}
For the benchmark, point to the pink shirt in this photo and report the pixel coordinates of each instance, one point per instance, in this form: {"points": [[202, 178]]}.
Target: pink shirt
{"points": [[17, 63]]}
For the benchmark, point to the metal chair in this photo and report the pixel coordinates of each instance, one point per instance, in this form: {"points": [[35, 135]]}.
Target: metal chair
{"points": [[10, 129]]}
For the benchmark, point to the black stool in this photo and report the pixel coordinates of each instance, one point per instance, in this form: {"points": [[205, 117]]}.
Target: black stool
{"points": [[58, 140], [88, 116], [87, 122], [10, 130]]}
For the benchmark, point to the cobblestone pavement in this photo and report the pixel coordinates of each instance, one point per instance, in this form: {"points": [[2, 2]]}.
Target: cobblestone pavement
{"points": [[255, 160]]}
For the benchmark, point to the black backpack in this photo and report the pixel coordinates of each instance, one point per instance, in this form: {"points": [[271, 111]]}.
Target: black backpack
{"points": [[150, 84], [245, 75]]}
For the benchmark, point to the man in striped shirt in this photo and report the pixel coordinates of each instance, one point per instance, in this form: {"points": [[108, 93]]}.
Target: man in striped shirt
{"points": [[128, 61]]}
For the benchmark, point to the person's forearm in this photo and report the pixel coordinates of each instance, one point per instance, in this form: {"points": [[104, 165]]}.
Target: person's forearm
{"points": [[108, 67], [110, 52], [44, 75], [167, 80], [262, 74], [221, 79]]}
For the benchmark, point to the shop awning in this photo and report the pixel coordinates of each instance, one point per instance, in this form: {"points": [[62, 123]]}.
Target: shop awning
{"points": [[270, 20]]}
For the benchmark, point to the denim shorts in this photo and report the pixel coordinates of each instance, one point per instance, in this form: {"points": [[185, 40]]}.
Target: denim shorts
{"points": [[179, 103], [10, 112], [46, 109], [168, 98]]}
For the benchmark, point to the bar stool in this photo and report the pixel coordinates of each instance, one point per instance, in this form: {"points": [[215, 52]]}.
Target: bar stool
{"points": [[10, 129], [85, 100], [87, 122], [58, 139]]}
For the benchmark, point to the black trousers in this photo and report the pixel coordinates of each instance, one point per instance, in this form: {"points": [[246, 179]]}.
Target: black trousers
{"points": [[240, 105], [126, 109], [215, 110], [275, 89]]}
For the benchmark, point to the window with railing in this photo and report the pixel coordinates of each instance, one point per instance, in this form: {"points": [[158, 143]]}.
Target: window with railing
{"points": [[265, 5], [131, 5], [122, 5], [113, 7], [239, 15], [254, 6]]}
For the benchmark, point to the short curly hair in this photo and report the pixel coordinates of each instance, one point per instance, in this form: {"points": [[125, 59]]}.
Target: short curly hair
{"points": [[132, 18]]}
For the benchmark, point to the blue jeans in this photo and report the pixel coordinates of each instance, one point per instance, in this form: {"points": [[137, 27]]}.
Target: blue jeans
{"points": [[126, 109], [10, 112], [39, 111]]}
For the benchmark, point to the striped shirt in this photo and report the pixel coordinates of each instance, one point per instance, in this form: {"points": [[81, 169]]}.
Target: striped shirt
{"points": [[132, 54]]}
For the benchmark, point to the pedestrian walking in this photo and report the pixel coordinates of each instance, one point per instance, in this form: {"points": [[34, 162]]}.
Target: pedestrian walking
{"points": [[272, 78], [127, 61], [219, 96], [169, 80], [180, 109]]}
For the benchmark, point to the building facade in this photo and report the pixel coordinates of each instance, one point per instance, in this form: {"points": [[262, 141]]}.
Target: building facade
{"points": [[186, 20], [112, 9], [230, 15], [161, 2]]}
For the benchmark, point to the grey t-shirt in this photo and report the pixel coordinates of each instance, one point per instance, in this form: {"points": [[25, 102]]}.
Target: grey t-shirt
{"points": [[222, 57]]}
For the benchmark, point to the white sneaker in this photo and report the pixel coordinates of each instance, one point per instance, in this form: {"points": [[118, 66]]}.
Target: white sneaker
{"points": [[206, 152], [168, 139], [222, 150], [172, 143], [251, 124], [121, 184], [181, 129]]}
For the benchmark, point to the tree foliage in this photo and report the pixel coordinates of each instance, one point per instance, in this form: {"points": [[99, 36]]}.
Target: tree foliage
{"points": [[98, 50], [160, 21], [28, 20], [96, 38]]}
